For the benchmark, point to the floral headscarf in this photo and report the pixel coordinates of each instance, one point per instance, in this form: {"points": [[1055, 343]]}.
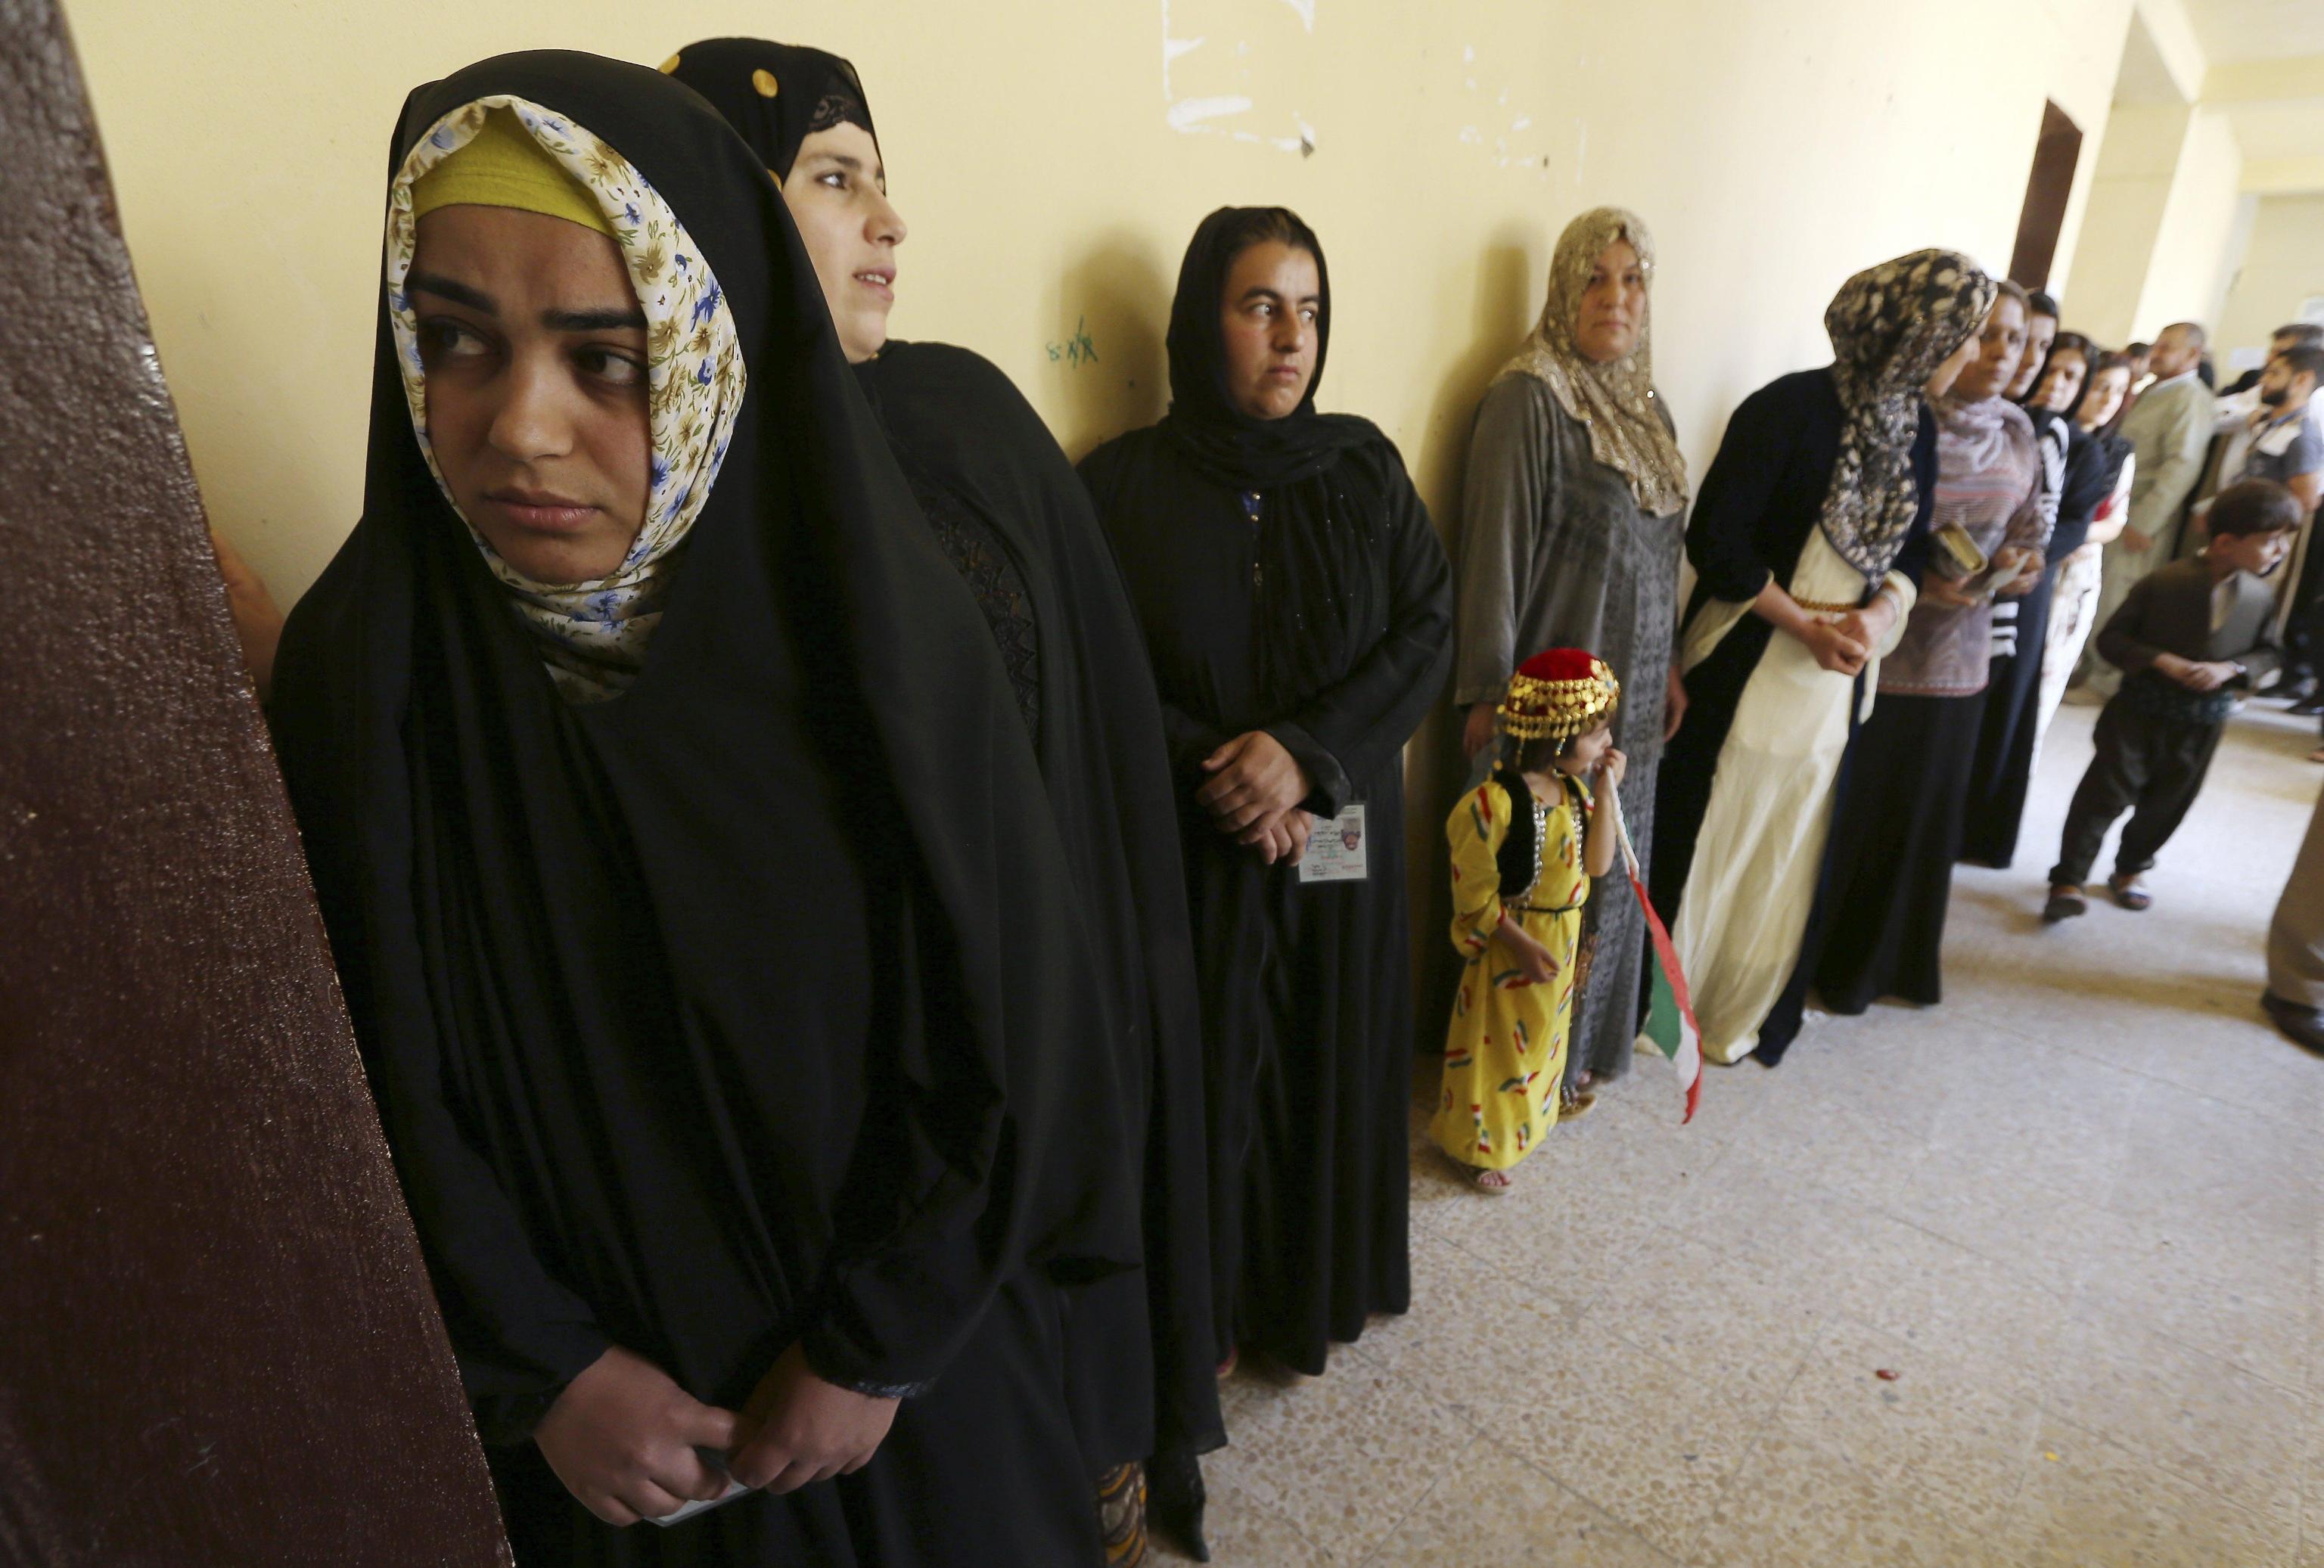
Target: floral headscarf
{"points": [[1618, 400], [593, 635], [1891, 327]]}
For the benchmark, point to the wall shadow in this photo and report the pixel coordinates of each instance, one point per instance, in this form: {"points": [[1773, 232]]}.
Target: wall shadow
{"points": [[1118, 291], [1434, 770]]}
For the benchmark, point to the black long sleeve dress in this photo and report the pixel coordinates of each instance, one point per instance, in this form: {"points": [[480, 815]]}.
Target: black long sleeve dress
{"points": [[1321, 613], [746, 1010], [1018, 526]]}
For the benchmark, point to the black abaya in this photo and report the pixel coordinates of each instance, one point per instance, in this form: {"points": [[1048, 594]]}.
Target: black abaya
{"points": [[1329, 629], [1288, 580], [980, 460], [688, 1033], [1893, 839]]}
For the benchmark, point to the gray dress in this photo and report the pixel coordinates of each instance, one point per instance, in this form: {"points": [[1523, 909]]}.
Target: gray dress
{"points": [[1556, 553]]}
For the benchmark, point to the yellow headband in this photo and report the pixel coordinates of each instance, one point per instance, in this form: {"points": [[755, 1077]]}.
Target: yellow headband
{"points": [[502, 166]]}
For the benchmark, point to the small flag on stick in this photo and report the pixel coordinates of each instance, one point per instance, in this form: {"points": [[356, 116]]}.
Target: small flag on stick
{"points": [[1670, 1018]]}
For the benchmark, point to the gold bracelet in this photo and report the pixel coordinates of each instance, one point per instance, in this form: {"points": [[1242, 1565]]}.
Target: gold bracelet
{"points": [[1819, 607]]}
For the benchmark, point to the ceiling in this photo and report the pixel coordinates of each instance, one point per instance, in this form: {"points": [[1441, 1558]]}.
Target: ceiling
{"points": [[2239, 30], [2286, 128]]}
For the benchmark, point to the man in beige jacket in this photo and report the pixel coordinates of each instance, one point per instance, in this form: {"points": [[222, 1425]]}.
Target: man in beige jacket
{"points": [[2170, 428]]}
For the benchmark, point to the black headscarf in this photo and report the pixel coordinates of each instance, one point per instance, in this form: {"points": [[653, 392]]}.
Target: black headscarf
{"points": [[1018, 523], [1218, 440], [775, 95], [742, 1009]]}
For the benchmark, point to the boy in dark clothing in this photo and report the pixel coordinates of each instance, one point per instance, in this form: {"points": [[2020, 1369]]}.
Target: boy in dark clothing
{"points": [[2190, 636]]}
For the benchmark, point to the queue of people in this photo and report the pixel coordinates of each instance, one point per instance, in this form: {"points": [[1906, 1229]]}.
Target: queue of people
{"points": [[884, 960]]}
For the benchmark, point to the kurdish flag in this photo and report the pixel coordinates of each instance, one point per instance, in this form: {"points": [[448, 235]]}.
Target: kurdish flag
{"points": [[1670, 1020]]}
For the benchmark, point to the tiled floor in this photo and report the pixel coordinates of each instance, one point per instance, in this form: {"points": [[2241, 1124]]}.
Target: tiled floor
{"points": [[2074, 1211]]}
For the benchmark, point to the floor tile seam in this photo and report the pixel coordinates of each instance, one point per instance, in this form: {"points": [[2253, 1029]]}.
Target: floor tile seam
{"points": [[2295, 1123], [2068, 1296], [1975, 1008], [2110, 1125], [1502, 1267], [1813, 1437], [1751, 1446], [1693, 1540], [1371, 1558], [2021, 1385], [1746, 1448], [1766, 1269], [1284, 1521], [2256, 1374], [1412, 1386], [2299, 1393], [1419, 1393], [2084, 1429], [2307, 1239], [2259, 1293], [1808, 1338], [2014, 1270], [1472, 1425], [1913, 1480], [1484, 1438]]}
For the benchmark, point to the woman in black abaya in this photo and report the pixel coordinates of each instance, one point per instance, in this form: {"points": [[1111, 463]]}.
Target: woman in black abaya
{"points": [[680, 906], [1298, 610], [1016, 525]]}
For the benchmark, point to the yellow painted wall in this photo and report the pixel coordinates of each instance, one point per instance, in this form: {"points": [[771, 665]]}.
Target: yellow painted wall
{"points": [[2130, 192], [2188, 277], [2283, 269], [1777, 146]]}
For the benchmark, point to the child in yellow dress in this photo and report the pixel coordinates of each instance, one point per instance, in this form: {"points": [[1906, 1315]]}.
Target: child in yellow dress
{"points": [[1523, 855]]}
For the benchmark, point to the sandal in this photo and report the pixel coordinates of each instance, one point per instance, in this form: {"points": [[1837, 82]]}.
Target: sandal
{"points": [[2065, 903], [1495, 1187], [2128, 893], [1572, 1105]]}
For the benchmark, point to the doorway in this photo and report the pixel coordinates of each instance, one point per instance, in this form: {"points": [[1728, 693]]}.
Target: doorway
{"points": [[2046, 189]]}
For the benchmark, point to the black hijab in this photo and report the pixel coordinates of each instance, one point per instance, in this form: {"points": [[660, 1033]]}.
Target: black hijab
{"points": [[775, 95], [994, 485], [1218, 440], [739, 1010]]}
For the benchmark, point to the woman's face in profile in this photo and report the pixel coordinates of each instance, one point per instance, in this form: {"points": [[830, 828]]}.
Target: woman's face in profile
{"points": [[533, 351], [838, 197], [1267, 321]]}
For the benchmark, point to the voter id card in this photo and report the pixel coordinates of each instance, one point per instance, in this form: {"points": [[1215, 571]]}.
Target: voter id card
{"points": [[1339, 850]]}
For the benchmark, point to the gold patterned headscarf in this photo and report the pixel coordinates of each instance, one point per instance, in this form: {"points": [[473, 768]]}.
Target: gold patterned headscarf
{"points": [[1618, 400]]}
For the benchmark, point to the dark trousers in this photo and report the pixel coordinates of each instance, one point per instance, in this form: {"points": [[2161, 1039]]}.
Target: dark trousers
{"points": [[2147, 765]]}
